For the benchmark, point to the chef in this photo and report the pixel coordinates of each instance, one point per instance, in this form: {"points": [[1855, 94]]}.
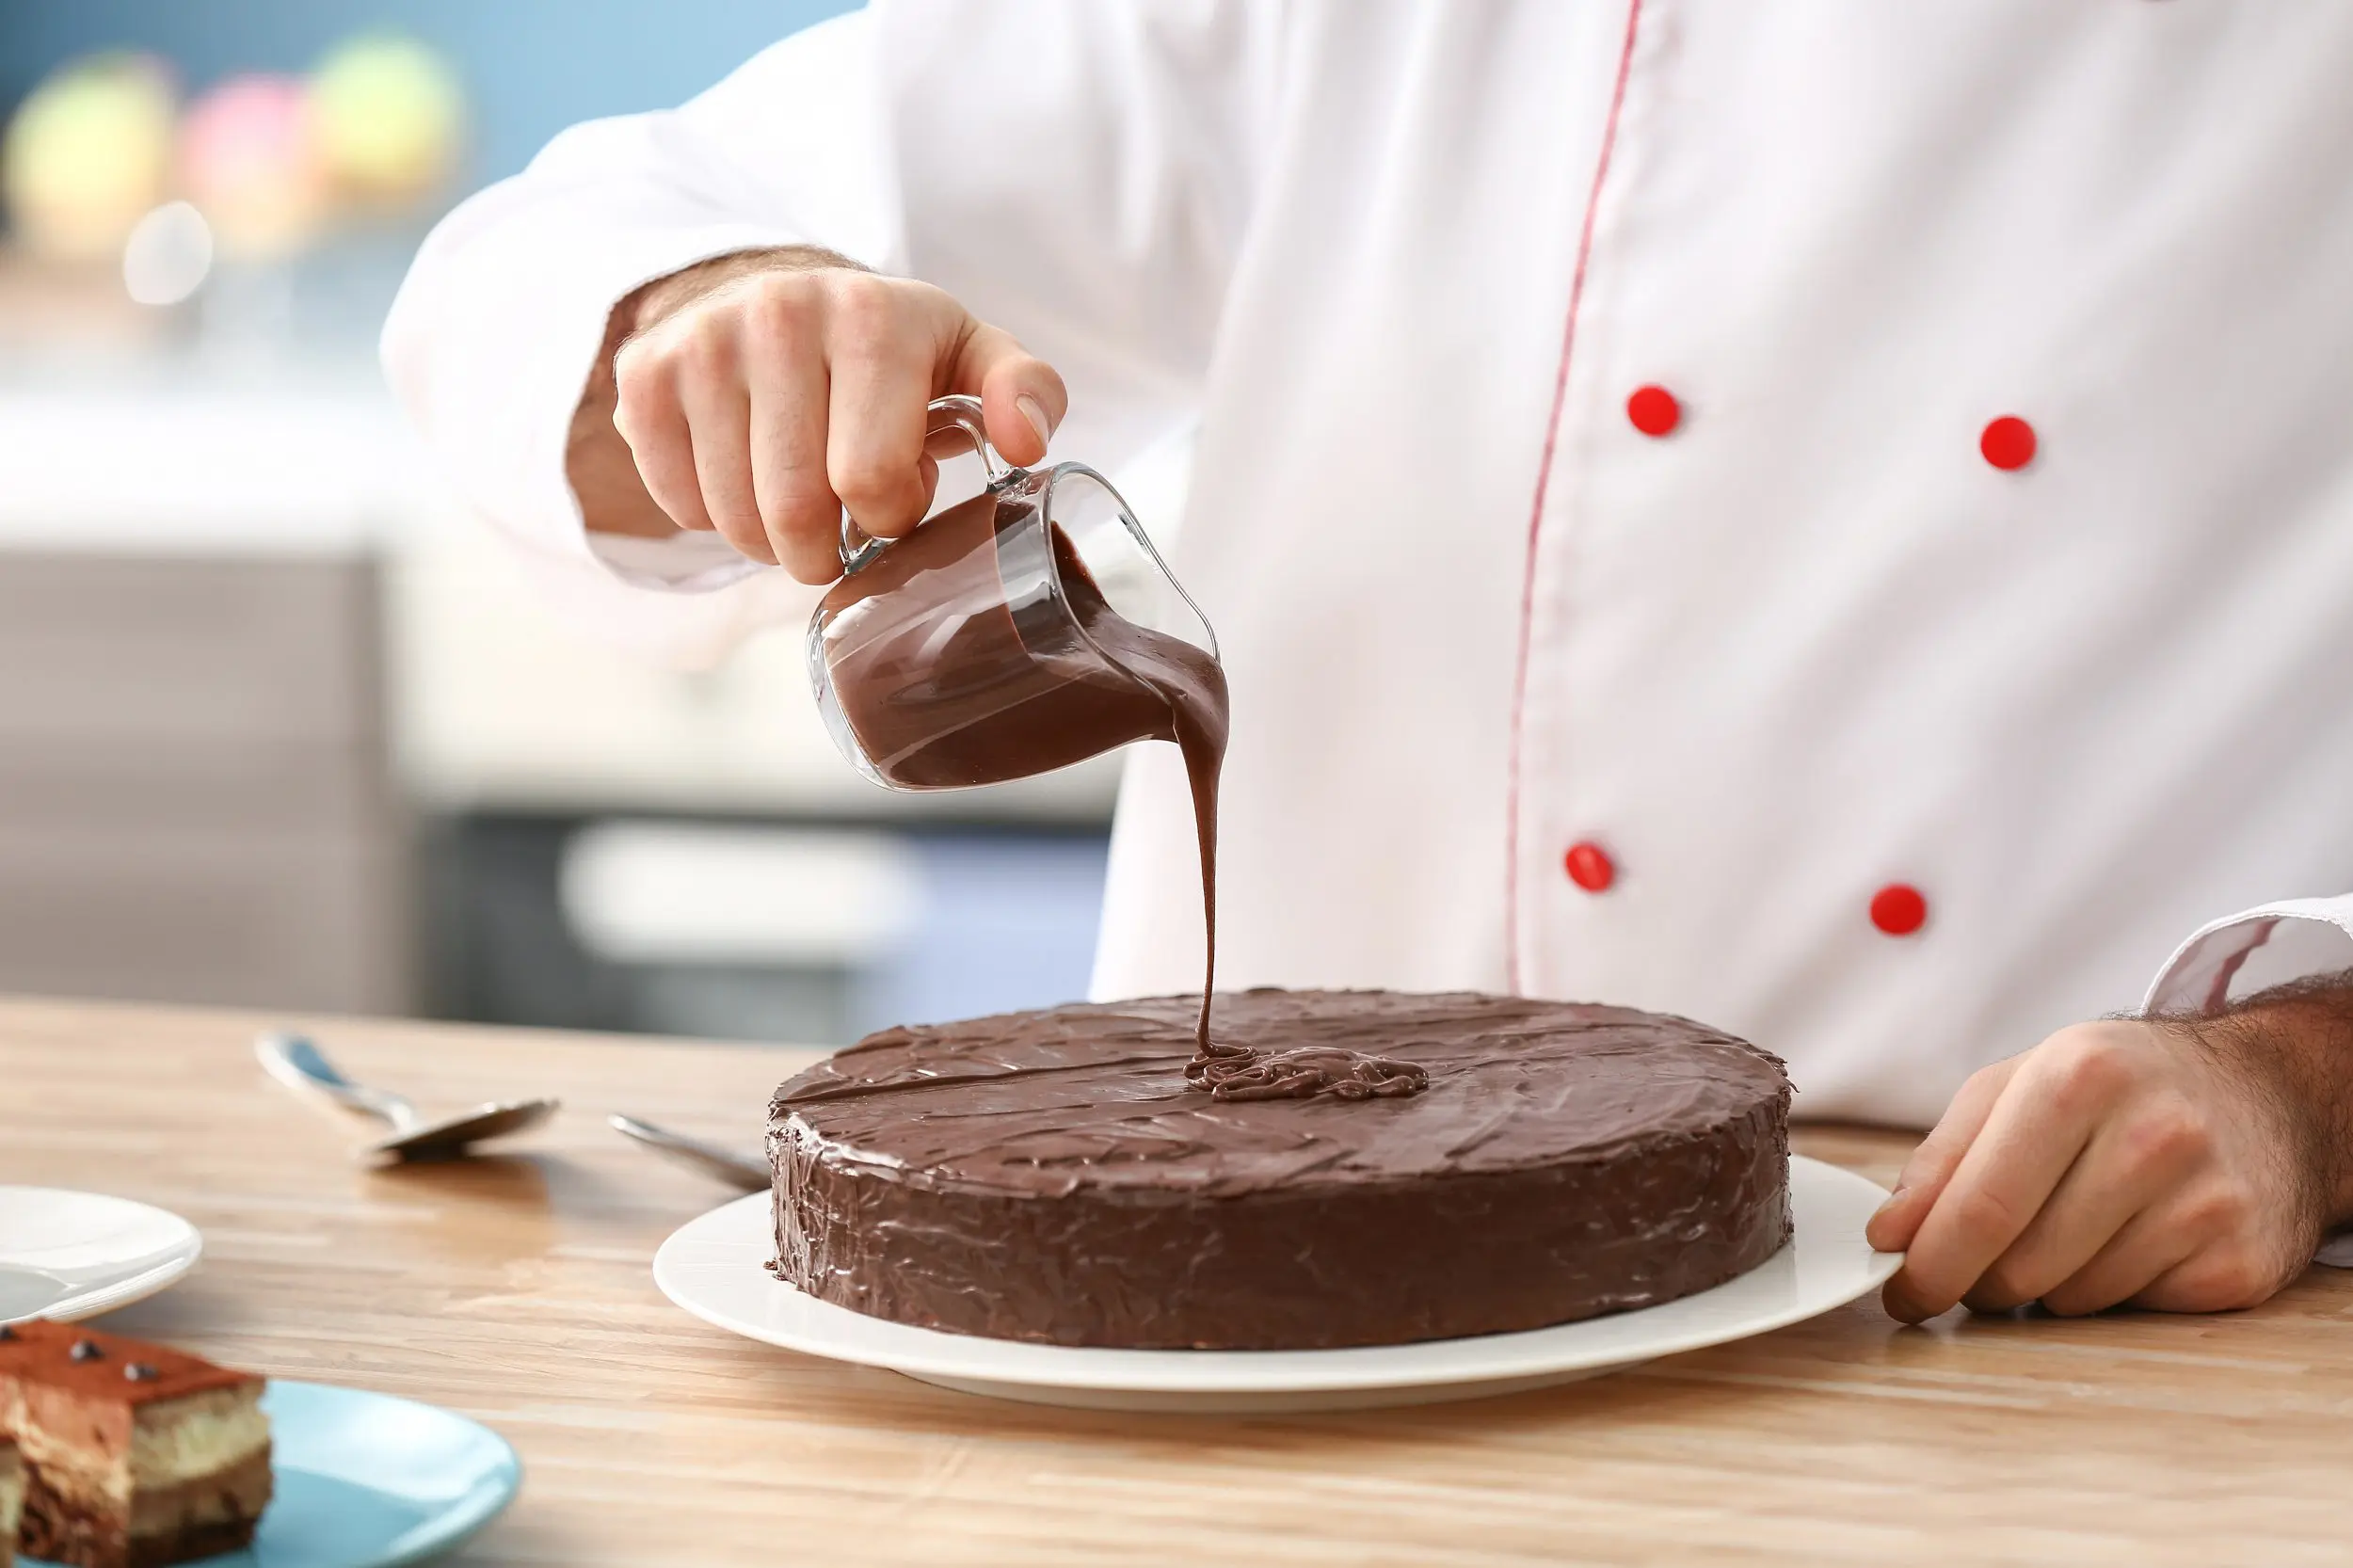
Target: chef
{"points": [[1832, 518]]}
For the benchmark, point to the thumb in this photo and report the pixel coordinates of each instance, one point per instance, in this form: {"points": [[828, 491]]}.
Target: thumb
{"points": [[1022, 399]]}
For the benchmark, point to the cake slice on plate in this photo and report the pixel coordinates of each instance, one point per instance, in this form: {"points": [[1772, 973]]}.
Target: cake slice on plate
{"points": [[135, 1456]]}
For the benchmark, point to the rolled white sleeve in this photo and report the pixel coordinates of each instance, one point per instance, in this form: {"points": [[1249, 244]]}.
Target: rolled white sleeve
{"points": [[492, 337], [2197, 979], [1078, 173]]}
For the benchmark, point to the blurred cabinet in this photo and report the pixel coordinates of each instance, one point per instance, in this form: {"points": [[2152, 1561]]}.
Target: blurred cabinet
{"points": [[195, 801]]}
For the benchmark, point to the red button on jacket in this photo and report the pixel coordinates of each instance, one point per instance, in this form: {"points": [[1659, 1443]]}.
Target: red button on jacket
{"points": [[1899, 909], [2008, 442], [1653, 410], [1590, 866]]}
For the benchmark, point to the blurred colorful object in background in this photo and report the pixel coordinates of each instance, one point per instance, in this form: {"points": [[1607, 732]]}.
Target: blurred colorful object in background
{"points": [[99, 165], [87, 155], [249, 159], [390, 118]]}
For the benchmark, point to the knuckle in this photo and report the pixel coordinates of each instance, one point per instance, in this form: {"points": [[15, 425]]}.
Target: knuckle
{"points": [[644, 430], [1981, 1215], [2169, 1135], [871, 481], [783, 294], [864, 307], [2088, 1069], [2222, 1278], [640, 390], [781, 308], [799, 502], [2007, 1282], [2221, 1210], [705, 343], [632, 364], [802, 512]]}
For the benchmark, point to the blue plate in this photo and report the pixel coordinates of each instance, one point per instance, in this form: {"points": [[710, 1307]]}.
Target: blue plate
{"points": [[366, 1481]]}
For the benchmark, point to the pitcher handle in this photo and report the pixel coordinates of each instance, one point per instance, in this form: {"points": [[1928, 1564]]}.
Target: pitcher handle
{"points": [[956, 411]]}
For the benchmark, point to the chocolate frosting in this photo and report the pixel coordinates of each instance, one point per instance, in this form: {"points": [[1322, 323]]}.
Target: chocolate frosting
{"points": [[1230, 1072], [1054, 1175]]}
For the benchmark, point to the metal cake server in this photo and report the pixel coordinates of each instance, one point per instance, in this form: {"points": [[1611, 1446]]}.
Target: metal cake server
{"points": [[294, 1061], [737, 1170]]}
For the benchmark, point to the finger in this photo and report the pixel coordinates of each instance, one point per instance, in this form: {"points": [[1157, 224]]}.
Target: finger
{"points": [[1933, 1163], [2241, 1251], [882, 381], [2144, 1249], [2128, 1167], [2040, 1122], [2222, 1278], [718, 413], [648, 416], [785, 370], [1022, 398]]}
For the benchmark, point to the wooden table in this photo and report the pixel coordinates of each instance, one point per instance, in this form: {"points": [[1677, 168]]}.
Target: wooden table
{"points": [[517, 1291]]}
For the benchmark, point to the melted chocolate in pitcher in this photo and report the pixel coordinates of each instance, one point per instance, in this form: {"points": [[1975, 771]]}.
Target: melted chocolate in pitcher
{"points": [[1012, 690]]}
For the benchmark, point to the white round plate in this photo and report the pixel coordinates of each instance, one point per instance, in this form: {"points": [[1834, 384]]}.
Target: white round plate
{"points": [[715, 1268], [68, 1256]]}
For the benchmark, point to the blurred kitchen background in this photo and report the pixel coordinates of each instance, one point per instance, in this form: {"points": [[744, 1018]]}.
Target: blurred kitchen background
{"points": [[279, 724]]}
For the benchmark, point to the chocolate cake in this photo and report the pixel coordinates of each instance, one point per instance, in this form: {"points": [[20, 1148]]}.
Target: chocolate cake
{"points": [[1338, 1168], [136, 1455]]}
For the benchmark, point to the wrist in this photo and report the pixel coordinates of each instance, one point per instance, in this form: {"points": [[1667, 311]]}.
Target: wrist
{"points": [[2300, 1038], [651, 303]]}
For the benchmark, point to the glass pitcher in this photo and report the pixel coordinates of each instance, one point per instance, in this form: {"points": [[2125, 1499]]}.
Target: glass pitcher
{"points": [[1021, 631]]}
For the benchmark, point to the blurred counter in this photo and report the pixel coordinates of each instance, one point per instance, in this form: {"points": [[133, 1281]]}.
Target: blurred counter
{"points": [[304, 461]]}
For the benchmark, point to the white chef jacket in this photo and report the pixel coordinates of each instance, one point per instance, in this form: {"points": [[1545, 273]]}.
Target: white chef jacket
{"points": [[1612, 489]]}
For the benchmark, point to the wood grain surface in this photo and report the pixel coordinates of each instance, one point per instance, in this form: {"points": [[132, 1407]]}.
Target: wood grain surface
{"points": [[517, 1291]]}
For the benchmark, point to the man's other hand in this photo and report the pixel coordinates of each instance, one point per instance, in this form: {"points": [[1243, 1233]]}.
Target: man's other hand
{"points": [[2179, 1164]]}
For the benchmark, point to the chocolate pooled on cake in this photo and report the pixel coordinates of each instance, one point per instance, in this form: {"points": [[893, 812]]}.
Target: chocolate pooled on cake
{"points": [[1339, 1168]]}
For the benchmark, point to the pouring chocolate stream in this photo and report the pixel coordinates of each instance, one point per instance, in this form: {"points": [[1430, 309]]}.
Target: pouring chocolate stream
{"points": [[1013, 686], [981, 648]]}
